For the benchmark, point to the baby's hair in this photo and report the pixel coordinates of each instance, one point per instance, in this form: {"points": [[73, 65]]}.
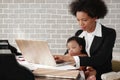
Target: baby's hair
{"points": [[79, 40], [94, 8]]}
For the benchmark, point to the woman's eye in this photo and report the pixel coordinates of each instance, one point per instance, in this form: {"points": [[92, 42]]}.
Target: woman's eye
{"points": [[84, 20]]}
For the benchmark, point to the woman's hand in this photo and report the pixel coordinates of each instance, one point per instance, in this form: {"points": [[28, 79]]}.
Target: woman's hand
{"points": [[90, 73], [64, 58]]}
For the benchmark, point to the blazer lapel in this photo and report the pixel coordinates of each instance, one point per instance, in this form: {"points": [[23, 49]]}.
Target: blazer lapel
{"points": [[95, 44]]}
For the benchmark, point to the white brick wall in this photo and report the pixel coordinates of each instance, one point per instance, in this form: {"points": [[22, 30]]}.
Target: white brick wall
{"points": [[48, 20]]}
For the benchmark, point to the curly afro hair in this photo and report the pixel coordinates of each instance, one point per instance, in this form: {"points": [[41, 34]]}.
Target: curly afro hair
{"points": [[94, 8]]}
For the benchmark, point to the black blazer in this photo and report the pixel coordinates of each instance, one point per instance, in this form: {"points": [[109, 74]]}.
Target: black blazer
{"points": [[100, 51]]}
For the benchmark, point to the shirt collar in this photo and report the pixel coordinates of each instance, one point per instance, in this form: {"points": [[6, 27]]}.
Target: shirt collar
{"points": [[96, 32]]}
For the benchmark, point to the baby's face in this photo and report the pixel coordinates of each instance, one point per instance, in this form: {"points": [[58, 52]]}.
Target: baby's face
{"points": [[73, 48]]}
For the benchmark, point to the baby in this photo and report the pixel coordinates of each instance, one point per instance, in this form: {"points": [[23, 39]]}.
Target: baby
{"points": [[76, 47]]}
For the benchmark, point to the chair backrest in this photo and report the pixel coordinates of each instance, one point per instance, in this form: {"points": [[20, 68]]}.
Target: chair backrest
{"points": [[10, 69], [4, 44]]}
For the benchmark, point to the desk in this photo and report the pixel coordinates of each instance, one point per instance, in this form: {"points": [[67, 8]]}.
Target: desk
{"points": [[48, 78], [71, 74]]}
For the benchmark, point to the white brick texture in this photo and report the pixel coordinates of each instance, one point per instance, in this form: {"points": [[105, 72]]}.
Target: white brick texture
{"points": [[48, 20]]}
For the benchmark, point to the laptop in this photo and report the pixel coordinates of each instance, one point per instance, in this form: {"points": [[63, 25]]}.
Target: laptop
{"points": [[37, 52]]}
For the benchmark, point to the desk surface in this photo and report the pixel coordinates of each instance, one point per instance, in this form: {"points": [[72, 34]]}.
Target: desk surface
{"points": [[79, 77], [48, 78]]}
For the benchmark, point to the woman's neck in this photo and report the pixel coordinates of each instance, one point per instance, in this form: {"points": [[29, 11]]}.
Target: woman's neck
{"points": [[92, 28]]}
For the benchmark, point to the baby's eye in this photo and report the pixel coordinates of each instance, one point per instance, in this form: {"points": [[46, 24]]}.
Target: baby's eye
{"points": [[68, 49], [73, 47], [78, 20]]}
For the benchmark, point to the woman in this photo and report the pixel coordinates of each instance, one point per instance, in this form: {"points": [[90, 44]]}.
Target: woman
{"points": [[99, 39]]}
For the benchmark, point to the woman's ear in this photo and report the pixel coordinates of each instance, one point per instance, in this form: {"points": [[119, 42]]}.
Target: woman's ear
{"points": [[95, 19]]}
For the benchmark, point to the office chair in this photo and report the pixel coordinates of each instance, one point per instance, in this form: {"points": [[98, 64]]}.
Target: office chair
{"points": [[4, 44], [10, 69]]}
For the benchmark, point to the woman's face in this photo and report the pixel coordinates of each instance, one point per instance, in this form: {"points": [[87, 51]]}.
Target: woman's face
{"points": [[86, 22], [73, 48]]}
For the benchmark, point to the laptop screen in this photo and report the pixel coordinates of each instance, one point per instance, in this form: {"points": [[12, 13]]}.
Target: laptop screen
{"points": [[36, 52]]}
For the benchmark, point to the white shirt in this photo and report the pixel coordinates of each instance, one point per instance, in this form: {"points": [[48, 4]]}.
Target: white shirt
{"points": [[89, 39]]}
